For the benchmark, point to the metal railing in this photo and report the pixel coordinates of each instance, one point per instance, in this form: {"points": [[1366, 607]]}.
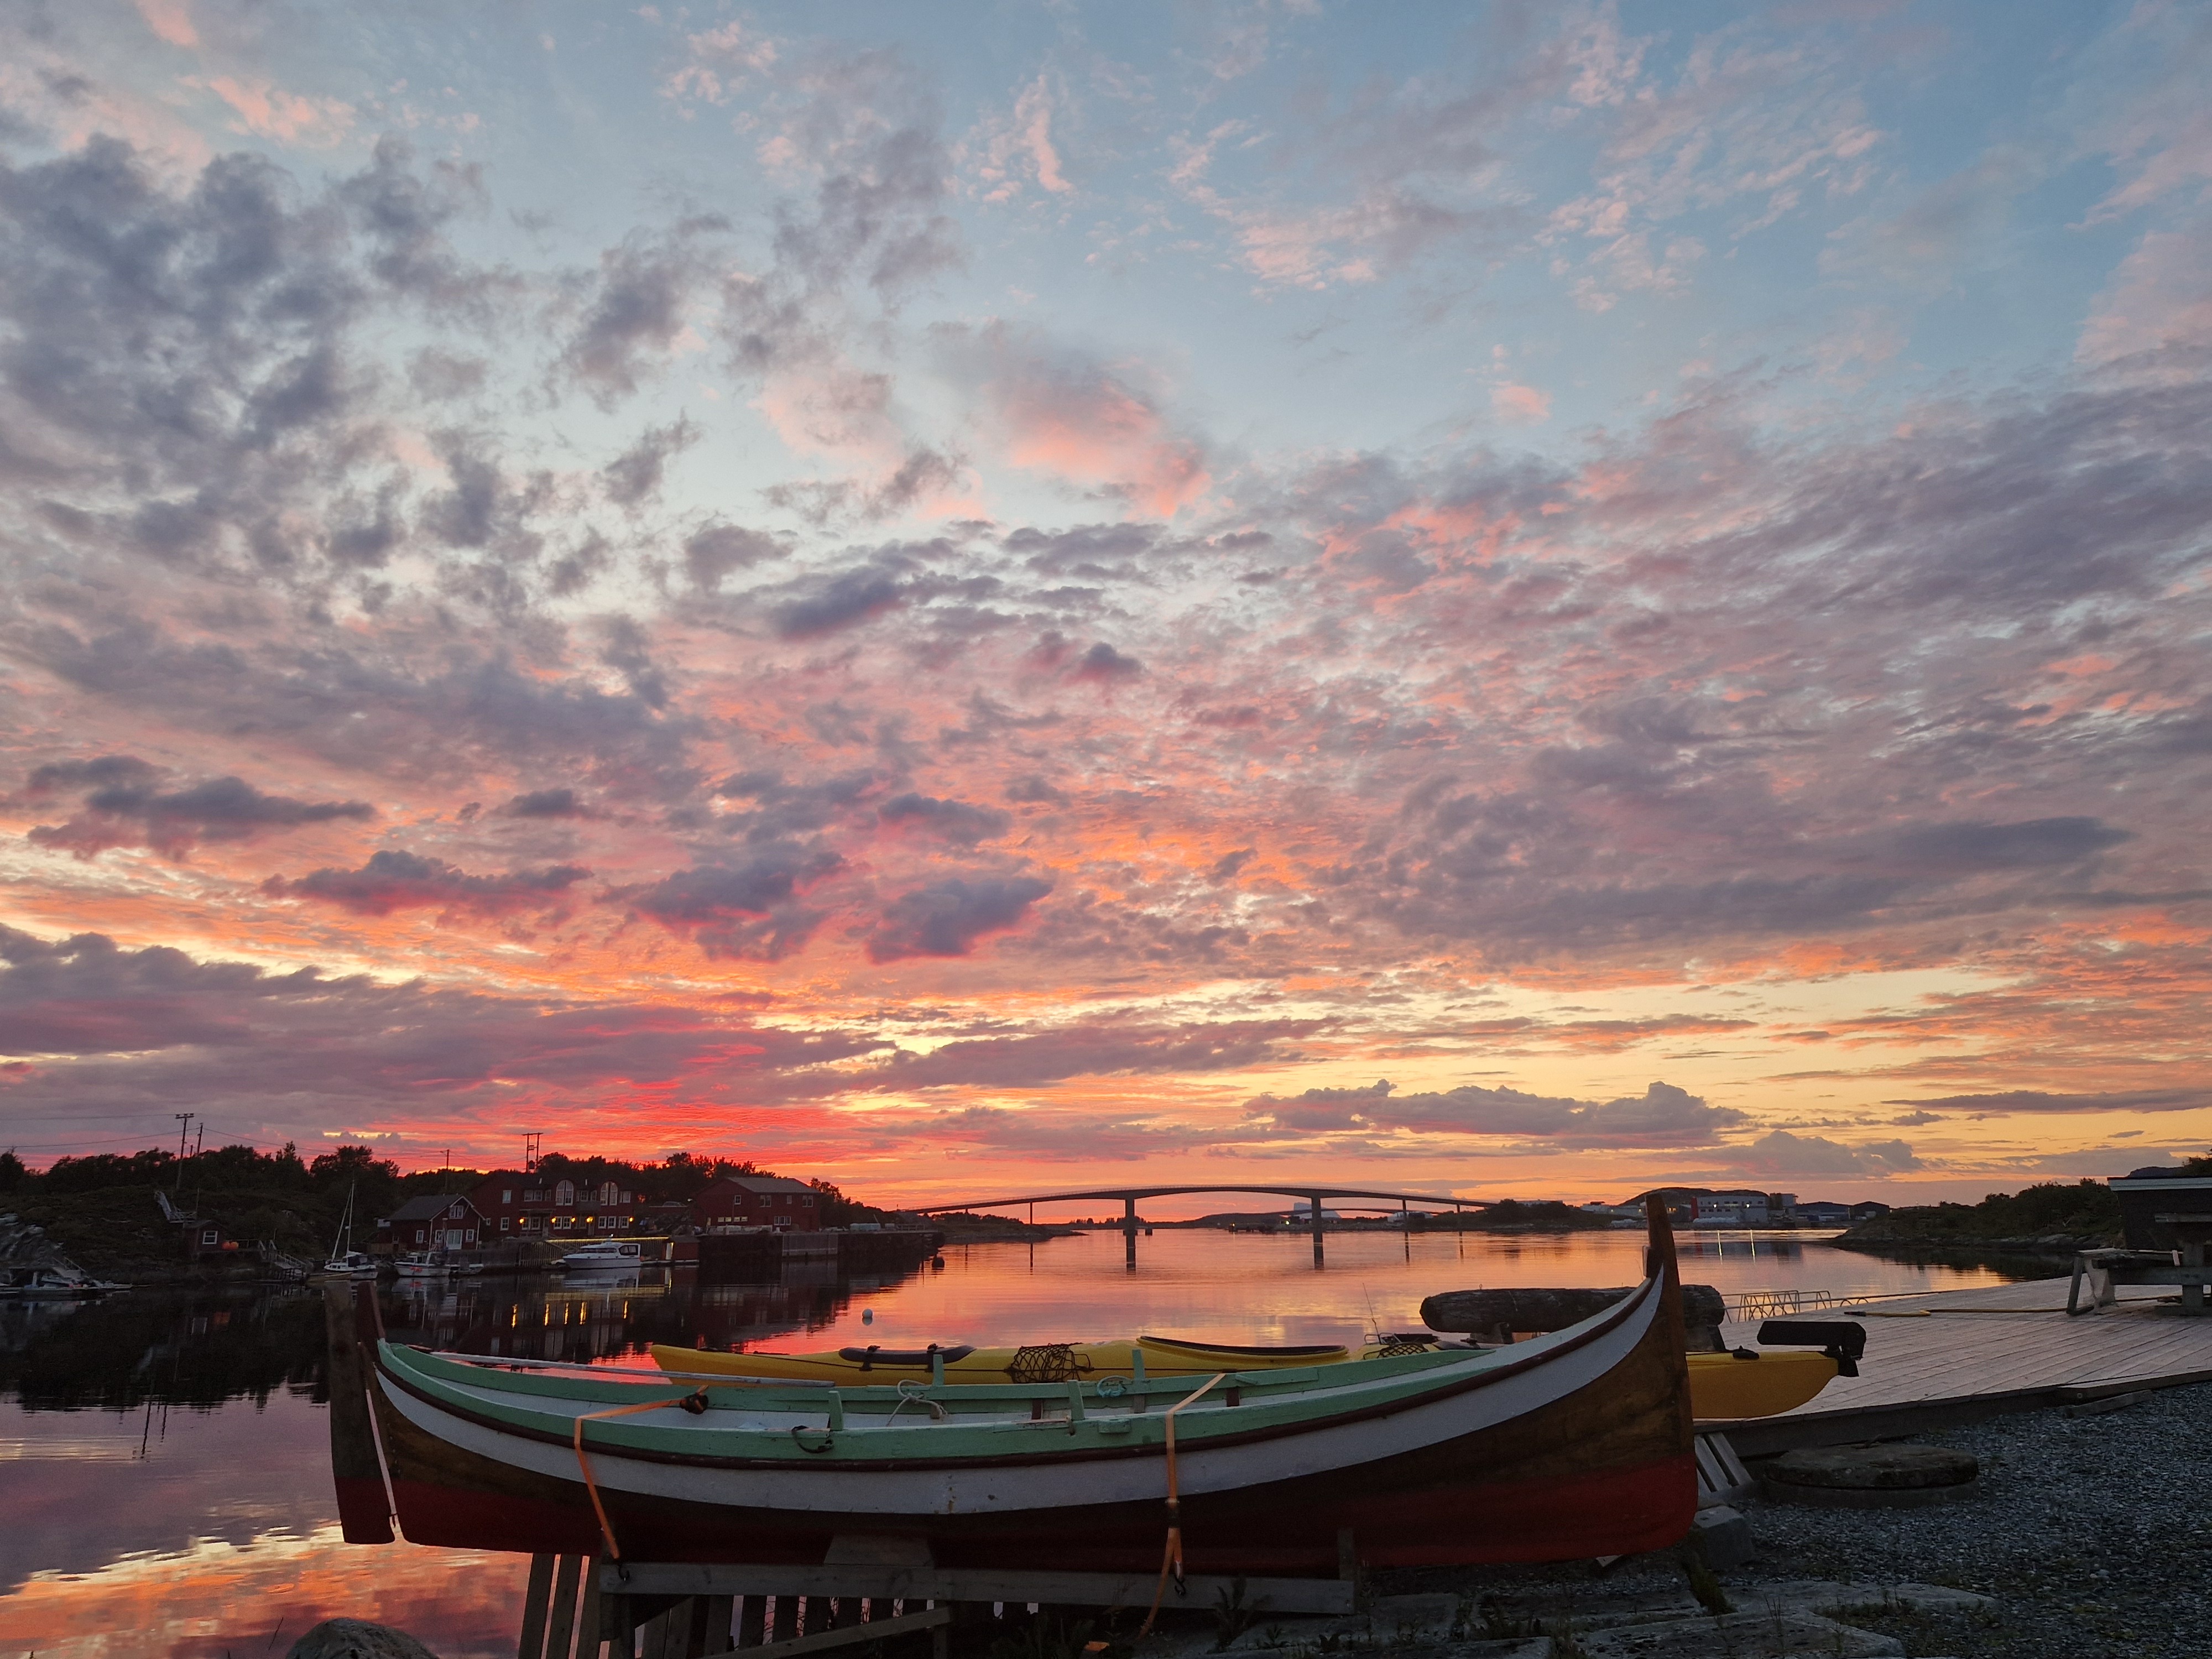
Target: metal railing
{"points": [[1767, 1304]]}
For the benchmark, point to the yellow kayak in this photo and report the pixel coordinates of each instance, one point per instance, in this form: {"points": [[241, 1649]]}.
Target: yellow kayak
{"points": [[1044, 1362], [1722, 1386]]}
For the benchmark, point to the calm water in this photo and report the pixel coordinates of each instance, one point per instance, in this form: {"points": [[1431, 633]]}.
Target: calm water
{"points": [[164, 1459]]}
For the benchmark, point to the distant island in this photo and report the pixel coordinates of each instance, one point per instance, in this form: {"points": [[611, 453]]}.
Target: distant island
{"points": [[2052, 1218]]}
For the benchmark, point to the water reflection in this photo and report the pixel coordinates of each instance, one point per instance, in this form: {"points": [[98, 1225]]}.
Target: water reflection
{"points": [[164, 1467], [608, 1317]]}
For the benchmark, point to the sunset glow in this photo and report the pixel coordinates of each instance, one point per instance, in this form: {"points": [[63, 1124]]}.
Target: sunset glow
{"points": [[1491, 601]]}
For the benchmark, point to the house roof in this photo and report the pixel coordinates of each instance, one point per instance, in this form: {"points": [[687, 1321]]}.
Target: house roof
{"points": [[429, 1207], [762, 1184]]}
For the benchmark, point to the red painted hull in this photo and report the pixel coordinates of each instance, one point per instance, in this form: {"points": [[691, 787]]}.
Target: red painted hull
{"points": [[1602, 1467], [1618, 1513]]}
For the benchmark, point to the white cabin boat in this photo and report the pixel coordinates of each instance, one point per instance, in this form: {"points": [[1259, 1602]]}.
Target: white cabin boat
{"points": [[608, 1257]]}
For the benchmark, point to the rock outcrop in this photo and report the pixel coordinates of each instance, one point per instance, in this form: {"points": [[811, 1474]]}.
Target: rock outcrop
{"points": [[356, 1638]]}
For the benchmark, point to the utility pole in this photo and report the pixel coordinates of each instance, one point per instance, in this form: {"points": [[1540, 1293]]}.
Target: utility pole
{"points": [[184, 1128]]}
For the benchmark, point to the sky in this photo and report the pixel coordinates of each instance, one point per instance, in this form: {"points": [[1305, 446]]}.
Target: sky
{"points": [[1500, 600]]}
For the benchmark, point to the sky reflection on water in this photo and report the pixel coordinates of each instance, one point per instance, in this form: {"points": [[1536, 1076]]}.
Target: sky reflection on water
{"points": [[164, 1461]]}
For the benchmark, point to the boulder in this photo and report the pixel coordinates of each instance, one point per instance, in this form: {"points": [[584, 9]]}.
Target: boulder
{"points": [[356, 1638]]}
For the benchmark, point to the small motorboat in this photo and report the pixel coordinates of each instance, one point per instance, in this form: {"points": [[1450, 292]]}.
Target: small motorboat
{"points": [[423, 1264], [608, 1257], [51, 1284], [1745, 1383], [1573, 1444]]}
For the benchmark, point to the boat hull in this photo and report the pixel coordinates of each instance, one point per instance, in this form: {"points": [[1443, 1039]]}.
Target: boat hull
{"points": [[1581, 1448]]}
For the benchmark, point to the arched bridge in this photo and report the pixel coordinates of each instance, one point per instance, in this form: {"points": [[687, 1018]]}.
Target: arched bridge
{"points": [[1312, 1191]]}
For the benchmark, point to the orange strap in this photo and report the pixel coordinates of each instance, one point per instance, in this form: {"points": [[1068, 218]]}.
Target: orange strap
{"points": [[695, 1401], [1172, 1557]]}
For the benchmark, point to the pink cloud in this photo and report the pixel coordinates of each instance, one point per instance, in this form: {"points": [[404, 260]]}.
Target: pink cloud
{"points": [[1022, 144], [719, 62], [1523, 405], [268, 111], [1085, 423], [2159, 298], [171, 19]]}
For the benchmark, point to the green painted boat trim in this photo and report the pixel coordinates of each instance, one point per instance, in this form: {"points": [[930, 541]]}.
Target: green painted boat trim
{"points": [[1270, 1399]]}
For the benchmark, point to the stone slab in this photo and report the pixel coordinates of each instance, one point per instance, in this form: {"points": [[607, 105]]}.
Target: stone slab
{"points": [[1874, 1467]]}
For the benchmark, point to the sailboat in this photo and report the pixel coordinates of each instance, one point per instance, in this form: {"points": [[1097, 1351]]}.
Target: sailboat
{"points": [[345, 1261]]}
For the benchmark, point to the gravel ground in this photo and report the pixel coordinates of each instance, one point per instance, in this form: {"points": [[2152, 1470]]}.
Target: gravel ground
{"points": [[2094, 1535]]}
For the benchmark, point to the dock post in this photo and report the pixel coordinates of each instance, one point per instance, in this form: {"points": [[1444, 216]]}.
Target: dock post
{"points": [[1314, 1199], [1129, 1233]]}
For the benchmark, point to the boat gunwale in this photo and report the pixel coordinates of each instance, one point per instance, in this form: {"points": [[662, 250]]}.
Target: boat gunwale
{"points": [[1201, 1436]]}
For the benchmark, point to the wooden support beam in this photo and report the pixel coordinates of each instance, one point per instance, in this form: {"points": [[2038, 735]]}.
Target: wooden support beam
{"points": [[876, 1630], [561, 1626], [752, 1622], [531, 1644], [589, 1619], [718, 1611], [916, 1584]]}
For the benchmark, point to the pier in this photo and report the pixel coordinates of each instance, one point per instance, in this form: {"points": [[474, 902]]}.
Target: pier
{"points": [[1956, 1356]]}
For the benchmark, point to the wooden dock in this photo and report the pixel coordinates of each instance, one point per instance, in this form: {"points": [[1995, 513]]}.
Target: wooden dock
{"points": [[1956, 1356]]}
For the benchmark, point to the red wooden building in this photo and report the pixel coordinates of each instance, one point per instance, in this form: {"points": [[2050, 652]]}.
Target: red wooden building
{"points": [[772, 1202]]}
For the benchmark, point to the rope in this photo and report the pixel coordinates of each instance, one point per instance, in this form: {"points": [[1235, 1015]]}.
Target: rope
{"points": [[694, 1403], [1172, 1557]]}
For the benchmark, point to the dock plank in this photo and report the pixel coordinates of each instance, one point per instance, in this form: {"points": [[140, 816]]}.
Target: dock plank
{"points": [[2006, 1345]]}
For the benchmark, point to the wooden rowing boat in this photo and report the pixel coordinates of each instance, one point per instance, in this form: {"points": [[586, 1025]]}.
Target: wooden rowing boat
{"points": [[1574, 1444], [1723, 1386]]}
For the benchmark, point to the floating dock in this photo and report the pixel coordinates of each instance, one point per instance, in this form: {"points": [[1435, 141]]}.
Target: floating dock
{"points": [[1957, 1355]]}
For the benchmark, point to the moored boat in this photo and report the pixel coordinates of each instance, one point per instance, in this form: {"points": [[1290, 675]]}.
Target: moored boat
{"points": [[52, 1283], [1573, 1444], [344, 1261], [607, 1257]]}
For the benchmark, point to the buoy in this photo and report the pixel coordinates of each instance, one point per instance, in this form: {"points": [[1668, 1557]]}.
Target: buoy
{"points": [[867, 1316]]}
